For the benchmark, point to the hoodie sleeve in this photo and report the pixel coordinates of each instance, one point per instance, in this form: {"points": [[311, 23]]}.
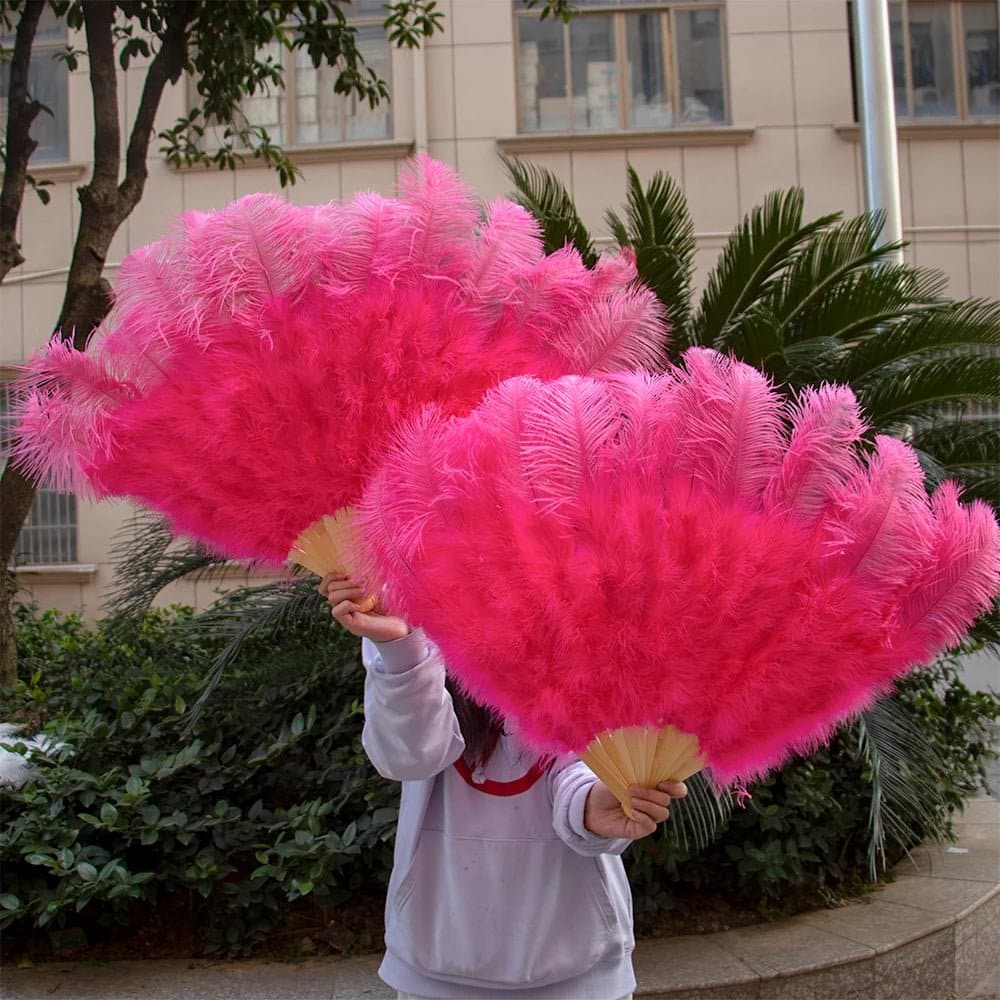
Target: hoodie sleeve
{"points": [[411, 731], [571, 785]]}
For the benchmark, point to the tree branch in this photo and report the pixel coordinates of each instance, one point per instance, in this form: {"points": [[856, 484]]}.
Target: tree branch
{"points": [[167, 66], [98, 18], [21, 112], [102, 208]]}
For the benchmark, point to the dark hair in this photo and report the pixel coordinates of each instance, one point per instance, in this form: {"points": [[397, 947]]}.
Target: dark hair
{"points": [[481, 727]]}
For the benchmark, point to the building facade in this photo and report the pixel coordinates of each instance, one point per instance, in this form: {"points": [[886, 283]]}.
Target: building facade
{"points": [[734, 99]]}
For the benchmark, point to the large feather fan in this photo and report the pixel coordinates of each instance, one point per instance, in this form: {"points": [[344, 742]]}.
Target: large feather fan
{"points": [[259, 357], [684, 550]]}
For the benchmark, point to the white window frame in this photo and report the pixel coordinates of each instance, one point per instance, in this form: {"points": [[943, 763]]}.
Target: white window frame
{"points": [[618, 10], [959, 63]]}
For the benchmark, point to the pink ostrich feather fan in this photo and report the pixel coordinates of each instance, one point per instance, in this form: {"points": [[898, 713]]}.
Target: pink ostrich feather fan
{"points": [[683, 550], [259, 358]]}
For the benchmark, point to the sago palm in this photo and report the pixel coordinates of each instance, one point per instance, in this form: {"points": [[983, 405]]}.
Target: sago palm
{"points": [[826, 301], [812, 302]]}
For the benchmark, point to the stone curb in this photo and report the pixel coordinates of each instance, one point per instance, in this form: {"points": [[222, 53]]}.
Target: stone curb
{"points": [[932, 934]]}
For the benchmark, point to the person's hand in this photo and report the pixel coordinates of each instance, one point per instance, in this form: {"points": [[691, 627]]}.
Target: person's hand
{"points": [[346, 597], [603, 814]]}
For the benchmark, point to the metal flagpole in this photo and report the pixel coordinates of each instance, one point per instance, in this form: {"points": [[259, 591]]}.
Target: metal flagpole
{"points": [[876, 104]]}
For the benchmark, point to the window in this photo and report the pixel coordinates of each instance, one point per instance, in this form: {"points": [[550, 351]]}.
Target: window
{"points": [[48, 82], [308, 112], [945, 58], [49, 533], [615, 67]]}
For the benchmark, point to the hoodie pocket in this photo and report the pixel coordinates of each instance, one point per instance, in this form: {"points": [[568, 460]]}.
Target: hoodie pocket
{"points": [[502, 913]]}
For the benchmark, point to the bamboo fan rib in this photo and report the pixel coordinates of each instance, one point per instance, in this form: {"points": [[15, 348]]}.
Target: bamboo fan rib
{"points": [[326, 546], [642, 755]]}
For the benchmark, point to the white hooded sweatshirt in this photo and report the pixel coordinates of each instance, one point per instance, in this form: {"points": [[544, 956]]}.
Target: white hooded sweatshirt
{"points": [[497, 888]]}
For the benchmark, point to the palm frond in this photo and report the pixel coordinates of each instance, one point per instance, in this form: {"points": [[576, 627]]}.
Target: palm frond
{"points": [[145, 563], [931, 331], [758, 250], [901, 766], [830, 257], [811, 362], [658, 227], [251, 613], [866, 302], [698, 819], [756, 340], [986, 631], [911, 392], [544, 196], [965, 450]]}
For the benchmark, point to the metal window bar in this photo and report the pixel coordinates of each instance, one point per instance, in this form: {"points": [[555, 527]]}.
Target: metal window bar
{"points": [[49, 535]]}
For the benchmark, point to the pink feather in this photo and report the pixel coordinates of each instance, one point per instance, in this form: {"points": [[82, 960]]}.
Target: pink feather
{"points": [[730, 432], [63, 401], [880, 521], [959, 575], [820, 458], [259, 358], [586, 562]]}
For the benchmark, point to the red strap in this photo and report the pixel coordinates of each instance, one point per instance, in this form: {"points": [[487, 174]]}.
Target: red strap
{"points": [[514, 787]]}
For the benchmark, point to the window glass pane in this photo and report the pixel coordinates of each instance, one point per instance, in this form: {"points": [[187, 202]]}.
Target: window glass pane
{"points": [[931, 58], [699, 65], [897, 39], [542, 100], [982, 57], [362, 120], [650, 100], [48, 82], [50, 29], [367, 8], [595, 73]]}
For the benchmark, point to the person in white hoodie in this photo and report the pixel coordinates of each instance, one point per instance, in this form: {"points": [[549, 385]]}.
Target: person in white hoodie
{"points": [[507, 879]]}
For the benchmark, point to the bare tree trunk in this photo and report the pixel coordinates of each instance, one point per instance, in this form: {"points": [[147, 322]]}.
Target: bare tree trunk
{"points": [[104, 206]]}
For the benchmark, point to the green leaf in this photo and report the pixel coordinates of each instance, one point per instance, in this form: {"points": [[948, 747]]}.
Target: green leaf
{"points": [[109, 814], [821, 264], [658, 228], [544, 196], [973, 323], [699, 818], [967, 450], [757, 251], [150, 813], [901, 766], [913, 391], [86, 871], [8, 901]]}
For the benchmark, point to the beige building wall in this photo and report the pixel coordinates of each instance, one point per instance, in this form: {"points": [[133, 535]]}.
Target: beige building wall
{"points": [[789, 82]]}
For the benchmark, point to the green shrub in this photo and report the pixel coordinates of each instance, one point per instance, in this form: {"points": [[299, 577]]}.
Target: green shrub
{"points": [[804, 836], [269, 798], [269, 804]]}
